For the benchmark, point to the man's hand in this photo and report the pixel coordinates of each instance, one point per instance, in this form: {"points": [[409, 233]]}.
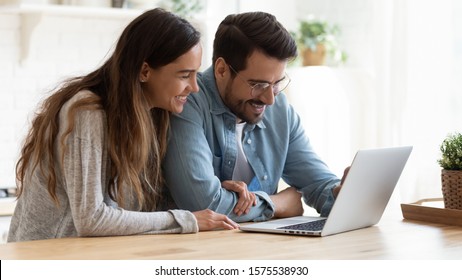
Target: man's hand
{"points": [[337, 189], [246, 200], [288, 203]]}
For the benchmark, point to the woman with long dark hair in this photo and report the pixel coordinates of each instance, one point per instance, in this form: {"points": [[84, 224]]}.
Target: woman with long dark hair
{"points": [[91, 163]]}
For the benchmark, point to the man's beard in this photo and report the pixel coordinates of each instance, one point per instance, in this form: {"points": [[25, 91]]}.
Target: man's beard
{"points": [[238, 107]]}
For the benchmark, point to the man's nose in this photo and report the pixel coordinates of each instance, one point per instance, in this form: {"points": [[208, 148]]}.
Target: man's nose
{"points": [[268, 95]]}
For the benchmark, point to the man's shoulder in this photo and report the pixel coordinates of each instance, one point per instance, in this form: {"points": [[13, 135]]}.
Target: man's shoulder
{"points": [[203, 98], [280, 107], [199, 100]]}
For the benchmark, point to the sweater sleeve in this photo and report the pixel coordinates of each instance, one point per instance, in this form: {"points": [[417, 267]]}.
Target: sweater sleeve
{"points": [[85, 182]]}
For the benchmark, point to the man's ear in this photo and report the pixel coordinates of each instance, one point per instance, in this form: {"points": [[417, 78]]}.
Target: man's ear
{"points": [[220, 68], [145, 72]]}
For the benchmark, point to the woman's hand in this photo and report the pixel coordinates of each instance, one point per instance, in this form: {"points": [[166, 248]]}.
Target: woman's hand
{"points": [[210, 220], [246, 200]]}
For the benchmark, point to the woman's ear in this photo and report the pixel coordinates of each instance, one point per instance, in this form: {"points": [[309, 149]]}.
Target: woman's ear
{"points": [[145, 72]]}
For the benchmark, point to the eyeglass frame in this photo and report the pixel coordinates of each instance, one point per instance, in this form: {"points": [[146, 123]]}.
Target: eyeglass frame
{"points": [[255, 84]]}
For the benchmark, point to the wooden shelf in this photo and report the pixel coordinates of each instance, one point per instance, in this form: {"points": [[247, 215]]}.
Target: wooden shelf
{"points": [[67, 10], [31, 16]]}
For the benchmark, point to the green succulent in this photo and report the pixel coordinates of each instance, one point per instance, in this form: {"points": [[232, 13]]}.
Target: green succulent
{"points": [[451, 152]]}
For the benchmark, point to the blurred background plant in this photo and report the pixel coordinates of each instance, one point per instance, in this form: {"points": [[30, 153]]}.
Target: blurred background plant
{"points": [[317, 41], [183, 8]]}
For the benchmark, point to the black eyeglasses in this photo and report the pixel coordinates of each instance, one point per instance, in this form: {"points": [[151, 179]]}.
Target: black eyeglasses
{"points": [[258, 88]]}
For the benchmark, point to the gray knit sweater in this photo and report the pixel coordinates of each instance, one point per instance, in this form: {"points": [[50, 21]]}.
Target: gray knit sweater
{"points": [[85, 208]]}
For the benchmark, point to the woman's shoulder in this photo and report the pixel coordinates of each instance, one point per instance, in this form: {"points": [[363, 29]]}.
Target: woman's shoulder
{"points": [[83, 109], [83, 99], [78, 97]]}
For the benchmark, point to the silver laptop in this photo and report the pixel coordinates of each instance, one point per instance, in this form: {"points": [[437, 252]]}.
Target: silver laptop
{"points": [[361, 202]]}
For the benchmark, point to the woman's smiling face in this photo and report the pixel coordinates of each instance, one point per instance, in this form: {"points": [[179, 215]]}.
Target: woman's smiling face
{"points": [[168, 87]]}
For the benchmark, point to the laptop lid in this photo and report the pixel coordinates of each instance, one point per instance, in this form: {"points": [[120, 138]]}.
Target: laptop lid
{"points": [[365, 193]]}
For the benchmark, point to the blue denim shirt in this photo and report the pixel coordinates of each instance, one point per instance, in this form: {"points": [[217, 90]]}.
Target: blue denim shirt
{"points": [[202, 152]]}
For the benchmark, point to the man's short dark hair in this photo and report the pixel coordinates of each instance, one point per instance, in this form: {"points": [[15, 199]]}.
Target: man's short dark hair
{"points": [[239, 35]]}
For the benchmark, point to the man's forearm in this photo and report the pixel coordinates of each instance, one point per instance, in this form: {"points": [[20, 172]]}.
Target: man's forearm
{"points": [[264, 210], [287, 203]]}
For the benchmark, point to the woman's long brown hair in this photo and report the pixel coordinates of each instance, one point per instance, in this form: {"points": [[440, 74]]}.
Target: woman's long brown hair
{"points": [[137, 134]]}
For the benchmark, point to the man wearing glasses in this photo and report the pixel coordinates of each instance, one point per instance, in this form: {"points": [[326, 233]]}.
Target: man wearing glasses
{"points": [[239, 136]]}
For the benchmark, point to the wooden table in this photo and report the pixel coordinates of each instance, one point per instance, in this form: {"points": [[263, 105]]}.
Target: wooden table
{"points": [[393, 238]]}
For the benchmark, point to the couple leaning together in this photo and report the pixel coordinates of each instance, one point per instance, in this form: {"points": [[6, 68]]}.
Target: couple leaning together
{"points": [[121, 150]]}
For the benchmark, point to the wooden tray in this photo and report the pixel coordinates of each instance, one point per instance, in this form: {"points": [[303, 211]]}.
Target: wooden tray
{"points": [[432, 210]]}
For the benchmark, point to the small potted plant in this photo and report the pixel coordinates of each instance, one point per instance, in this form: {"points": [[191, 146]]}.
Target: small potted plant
{"points": [[451, 175], [317, 39]]}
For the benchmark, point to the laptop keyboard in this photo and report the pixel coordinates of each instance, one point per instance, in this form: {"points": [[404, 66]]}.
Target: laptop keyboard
{"points": [[308, 226]]}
